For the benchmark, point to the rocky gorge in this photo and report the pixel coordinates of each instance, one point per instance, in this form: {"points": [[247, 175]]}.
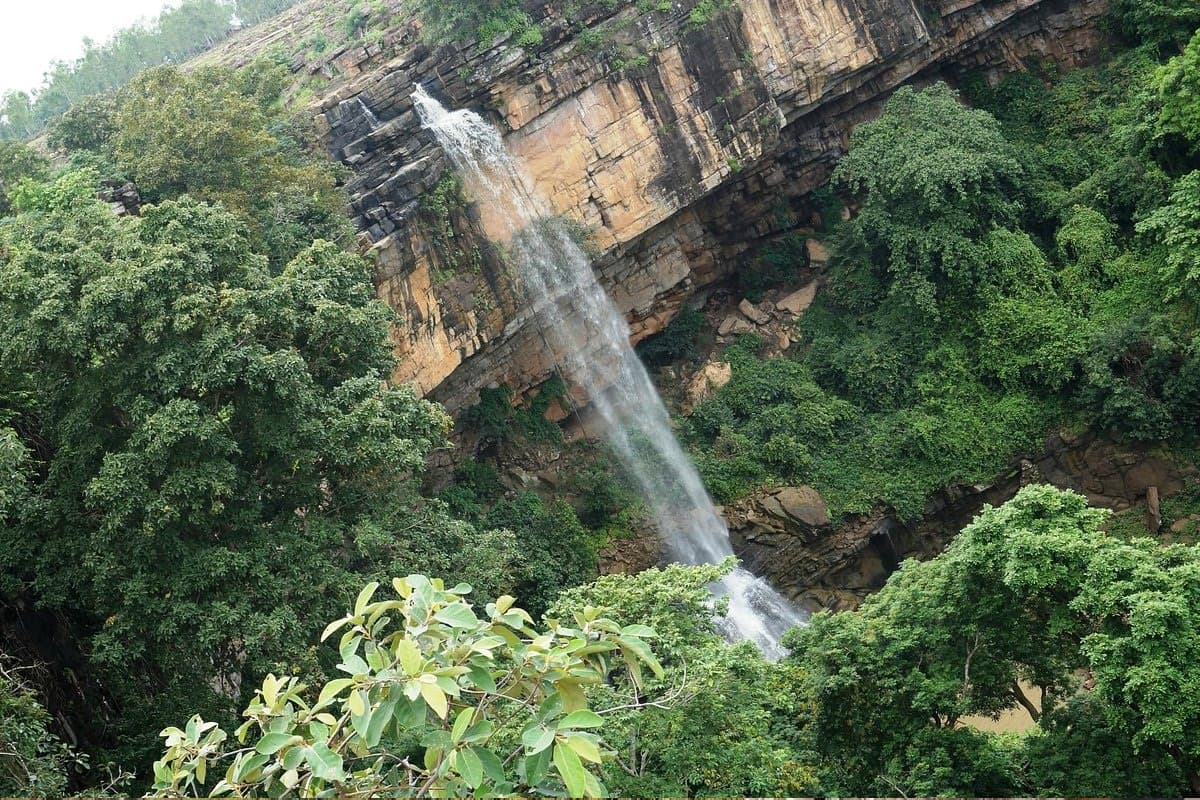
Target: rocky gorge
{"points": [[677, 149], [699, 144]]}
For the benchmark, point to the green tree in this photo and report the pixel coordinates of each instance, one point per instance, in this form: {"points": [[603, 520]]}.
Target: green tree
{"points": [[477, 20], [723, 731], [17, 120], [1162, 23], [33, 762], [193, 133], [439, 702], [89, 125], [213, 450], [556, 552], [1176, 229], [1178, 84], [935, 177], [212, 134], [17, 162], [1033, 591]]}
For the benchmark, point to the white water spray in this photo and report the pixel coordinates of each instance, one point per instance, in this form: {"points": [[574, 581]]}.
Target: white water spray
{"points": [[589, 339], [368, 113]]}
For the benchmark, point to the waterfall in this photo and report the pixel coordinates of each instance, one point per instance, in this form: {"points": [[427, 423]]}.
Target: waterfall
{"points": [[368, 113], [589, 340]]}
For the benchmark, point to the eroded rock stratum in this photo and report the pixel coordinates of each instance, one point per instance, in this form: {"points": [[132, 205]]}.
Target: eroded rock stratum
{"points": [[674, 163]]}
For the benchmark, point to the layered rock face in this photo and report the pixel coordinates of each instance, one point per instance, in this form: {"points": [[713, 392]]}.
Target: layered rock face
{"points": [[694, 145], [786, 535]]}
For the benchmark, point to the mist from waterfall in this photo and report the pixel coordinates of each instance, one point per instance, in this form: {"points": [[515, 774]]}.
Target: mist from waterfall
{"points": [[589, 340]]}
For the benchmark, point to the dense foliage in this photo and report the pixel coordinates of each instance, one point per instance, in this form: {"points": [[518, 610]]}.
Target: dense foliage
{"points": [[201, 450], [1033, 593], [202, 461], [33, 762], [445, 705], [1009, 267]]}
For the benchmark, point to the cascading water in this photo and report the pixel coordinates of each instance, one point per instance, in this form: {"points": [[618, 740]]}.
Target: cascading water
{"points": [[368, 113], [589, 338]]}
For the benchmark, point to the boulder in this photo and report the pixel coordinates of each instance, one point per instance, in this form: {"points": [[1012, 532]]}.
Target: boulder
{"points": [[713, 376], [754, 313], [798, 301], [818, 253], [803, 504], [735, 324]]}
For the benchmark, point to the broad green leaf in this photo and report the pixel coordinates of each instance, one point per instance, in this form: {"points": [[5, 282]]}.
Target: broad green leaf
{"points": [[536, 767], [361, 722], [581, 719], [571, 769], [250, 769], [274, 742], [356, 703], [461, 724], [409, 713], [293, 758], [492, 765], [332, 627], [536, 739], [380, 718], [354, 665], [594, 787], [479, 731], [470, 767], [409, 653], [436, 698], [642, 650], [324, 763], [364, 597], [483, 678], [573, 697], [643, 631], [331, 690], [457, 615], [584, 748]]}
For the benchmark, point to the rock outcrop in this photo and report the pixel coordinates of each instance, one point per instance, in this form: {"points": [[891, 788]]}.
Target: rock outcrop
{"points": [[786, 534], [676, 161]]}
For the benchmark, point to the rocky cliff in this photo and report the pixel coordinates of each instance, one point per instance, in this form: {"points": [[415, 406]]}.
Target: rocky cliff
{"points": [[678, 141], [785, 533]]}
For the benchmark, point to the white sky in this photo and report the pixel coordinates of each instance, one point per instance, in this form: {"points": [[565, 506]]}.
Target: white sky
{"points": [[35, 32]]}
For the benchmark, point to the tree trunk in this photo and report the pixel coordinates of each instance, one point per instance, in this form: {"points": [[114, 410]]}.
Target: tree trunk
{"points": [[1186, 767], [1025, 702]]}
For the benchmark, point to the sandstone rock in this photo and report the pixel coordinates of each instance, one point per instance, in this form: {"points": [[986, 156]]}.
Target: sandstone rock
{"points": [[753, 313], [643, 158], [627, 556], [714, 375], [735, 324], [798, 301], [818, 253], [804, 504]]}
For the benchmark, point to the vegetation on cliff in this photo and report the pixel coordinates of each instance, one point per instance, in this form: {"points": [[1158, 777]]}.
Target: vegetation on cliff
{"points": [[1023, 263], [202, 465]]}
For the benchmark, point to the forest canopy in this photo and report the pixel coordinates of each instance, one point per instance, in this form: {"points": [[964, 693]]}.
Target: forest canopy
{"points": [[225, 569]]}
